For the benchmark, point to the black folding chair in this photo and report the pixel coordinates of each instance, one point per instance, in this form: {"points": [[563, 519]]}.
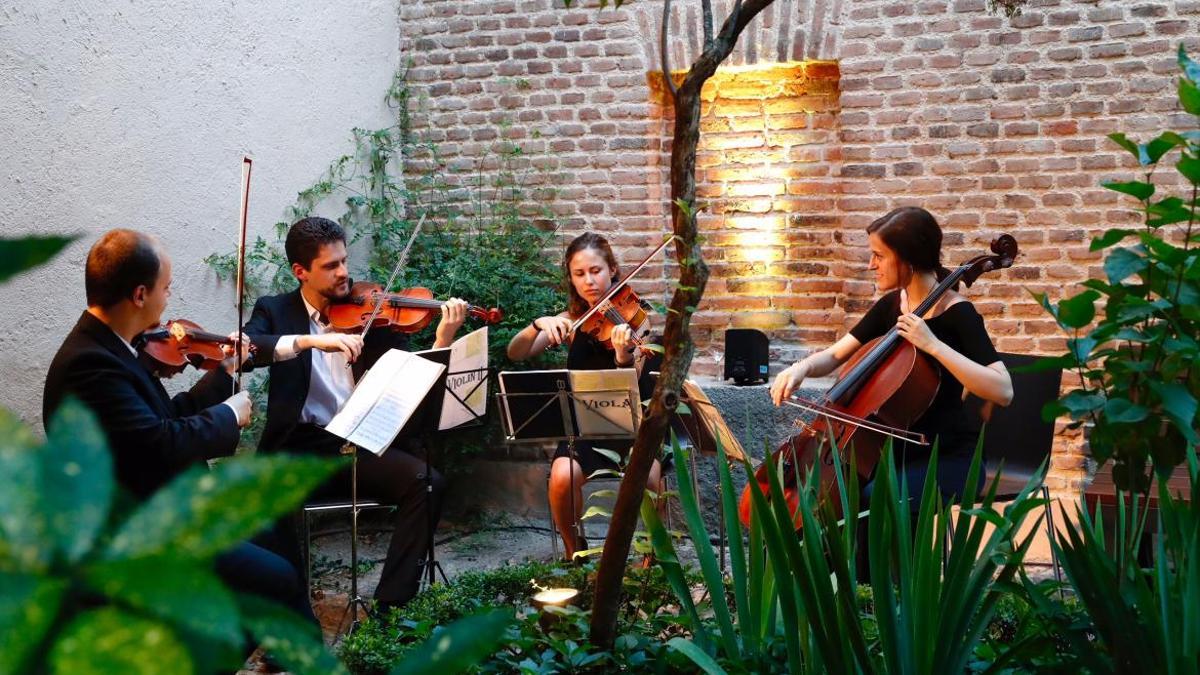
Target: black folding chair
{"points": [[1016, 441]]}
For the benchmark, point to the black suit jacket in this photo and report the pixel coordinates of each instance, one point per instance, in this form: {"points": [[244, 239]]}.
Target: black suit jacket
{"points": [[275, 316], [153, 437]]}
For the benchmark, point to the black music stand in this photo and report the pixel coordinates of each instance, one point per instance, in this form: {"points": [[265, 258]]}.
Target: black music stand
{"points": [[355, 602], [539, 406], [424, 423]]}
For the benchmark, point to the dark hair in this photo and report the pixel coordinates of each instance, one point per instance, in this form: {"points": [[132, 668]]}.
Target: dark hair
{"points": [[306, 237], [576, 306], [119, 262], [913, 233]]}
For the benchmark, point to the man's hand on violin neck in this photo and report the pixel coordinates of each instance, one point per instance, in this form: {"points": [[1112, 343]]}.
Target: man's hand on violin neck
{"points": [[348, 344], [232, 364], [454, 314]]}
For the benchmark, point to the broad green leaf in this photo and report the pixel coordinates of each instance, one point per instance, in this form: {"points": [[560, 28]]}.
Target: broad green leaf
{"points": [[1123, 411], [1078, 311], [1160, 146], [1130, 146], [1189, 167], [1121, 263], [202, 513], [1191, 69], [1180, 406], [1138, 189], [610, 455], [108, 641], [1189, 97], [458, 646], [77, 479], [1110, 237], [185, 594], [1080, 402], [1167, 211], [1081, 348], [26, 253], [28, 606], [291, 640], [24, 543], [697, 655], [595, 511]]}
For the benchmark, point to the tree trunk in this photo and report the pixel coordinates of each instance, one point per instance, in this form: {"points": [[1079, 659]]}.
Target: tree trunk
{"points": [[677, 341]]}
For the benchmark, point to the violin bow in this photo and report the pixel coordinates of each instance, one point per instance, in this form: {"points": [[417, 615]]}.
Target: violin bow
{"points": [[247, 165], [395, 272], [617, 286]]}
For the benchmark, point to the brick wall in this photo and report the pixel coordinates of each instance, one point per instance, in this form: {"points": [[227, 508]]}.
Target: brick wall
{"points": [[993, 124]]}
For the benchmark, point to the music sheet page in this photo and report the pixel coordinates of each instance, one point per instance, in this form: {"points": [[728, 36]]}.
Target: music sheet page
{"points": [[468, 366], [384, 400]]}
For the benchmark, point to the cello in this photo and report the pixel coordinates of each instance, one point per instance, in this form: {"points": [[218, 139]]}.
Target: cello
{"points": [[882, 389]]}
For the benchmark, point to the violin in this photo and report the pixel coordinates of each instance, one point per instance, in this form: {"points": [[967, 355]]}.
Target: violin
{"points": [[623, 307], [169, 349], [619, 306], [882, 389], [406, 311]]}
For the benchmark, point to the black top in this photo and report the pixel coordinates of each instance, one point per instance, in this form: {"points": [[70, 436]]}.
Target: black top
{"points": [[153, 437], [962, 329]]}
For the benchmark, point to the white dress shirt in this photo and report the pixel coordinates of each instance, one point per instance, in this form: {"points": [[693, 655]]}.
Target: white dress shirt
{"points": [[330, 382]]}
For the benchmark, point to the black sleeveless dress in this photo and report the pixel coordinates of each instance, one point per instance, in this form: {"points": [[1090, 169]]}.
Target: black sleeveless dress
{"points": [[587, 353], [947, 419]]}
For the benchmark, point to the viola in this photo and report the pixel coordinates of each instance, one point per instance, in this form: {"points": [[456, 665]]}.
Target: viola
{"points": [[170, 348], [623, 307], [619, 306], [406, 311], [882, 389]]}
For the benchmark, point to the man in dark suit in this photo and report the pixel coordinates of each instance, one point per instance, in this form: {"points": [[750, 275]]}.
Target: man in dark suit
{"points": [[308, 389], [154, 437]]}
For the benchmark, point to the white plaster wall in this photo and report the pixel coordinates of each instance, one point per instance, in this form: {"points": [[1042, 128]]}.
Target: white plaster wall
{"points": [[136, 114]]}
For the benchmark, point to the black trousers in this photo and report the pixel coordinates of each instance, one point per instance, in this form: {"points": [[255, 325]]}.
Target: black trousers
{"points": [[396, 477], [249, 568]]}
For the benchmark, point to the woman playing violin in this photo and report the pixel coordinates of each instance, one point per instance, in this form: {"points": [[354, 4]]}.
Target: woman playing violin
{"points": [[590, 269], [906, 247]]}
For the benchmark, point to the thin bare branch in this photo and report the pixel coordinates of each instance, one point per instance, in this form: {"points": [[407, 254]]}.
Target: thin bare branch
{"points": [[706, 8], [662, 45]]}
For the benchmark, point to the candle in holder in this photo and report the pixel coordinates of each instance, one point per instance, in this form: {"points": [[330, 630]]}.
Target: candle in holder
{"points": [[557, 597]]}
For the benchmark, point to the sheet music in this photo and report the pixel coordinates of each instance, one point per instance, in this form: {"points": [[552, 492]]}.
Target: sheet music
{"points": [[468, 365], [384, 400], [714, 424], [599, 410]]}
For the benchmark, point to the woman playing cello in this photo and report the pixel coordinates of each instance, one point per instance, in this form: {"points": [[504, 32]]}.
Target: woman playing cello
{"points": [[906, 247]]}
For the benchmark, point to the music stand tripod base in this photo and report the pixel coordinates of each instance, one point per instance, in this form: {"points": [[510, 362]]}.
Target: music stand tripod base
{"points": [[355, 601]]}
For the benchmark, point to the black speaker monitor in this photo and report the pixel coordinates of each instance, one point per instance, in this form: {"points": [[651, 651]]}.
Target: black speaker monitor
{"points": [[746, 355]]}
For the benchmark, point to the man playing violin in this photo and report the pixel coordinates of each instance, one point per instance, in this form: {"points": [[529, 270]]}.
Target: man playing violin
{"points": [[154, 437], [307, 390]]}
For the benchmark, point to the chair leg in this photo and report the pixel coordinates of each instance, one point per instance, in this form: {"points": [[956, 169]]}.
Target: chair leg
{"points": [[1050, 532]]}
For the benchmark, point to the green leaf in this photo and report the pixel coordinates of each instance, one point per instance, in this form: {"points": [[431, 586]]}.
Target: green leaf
{"points": [[1078, 311], [1189, 167], [1109, 238], [24, 543], [185, 594], [697, 655], [1189, 97], [202, 513], [1121, 263], [109, 640], [595, 511], [1137, 189], [1179, 404], [1130, 146], [1191, 69], [1081, 348], [28, 606], [1160, 146], [1080, 402], [610, 455], [77, 479], [26, 253], [457, 647], [1124, 411], [291, 640]]}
